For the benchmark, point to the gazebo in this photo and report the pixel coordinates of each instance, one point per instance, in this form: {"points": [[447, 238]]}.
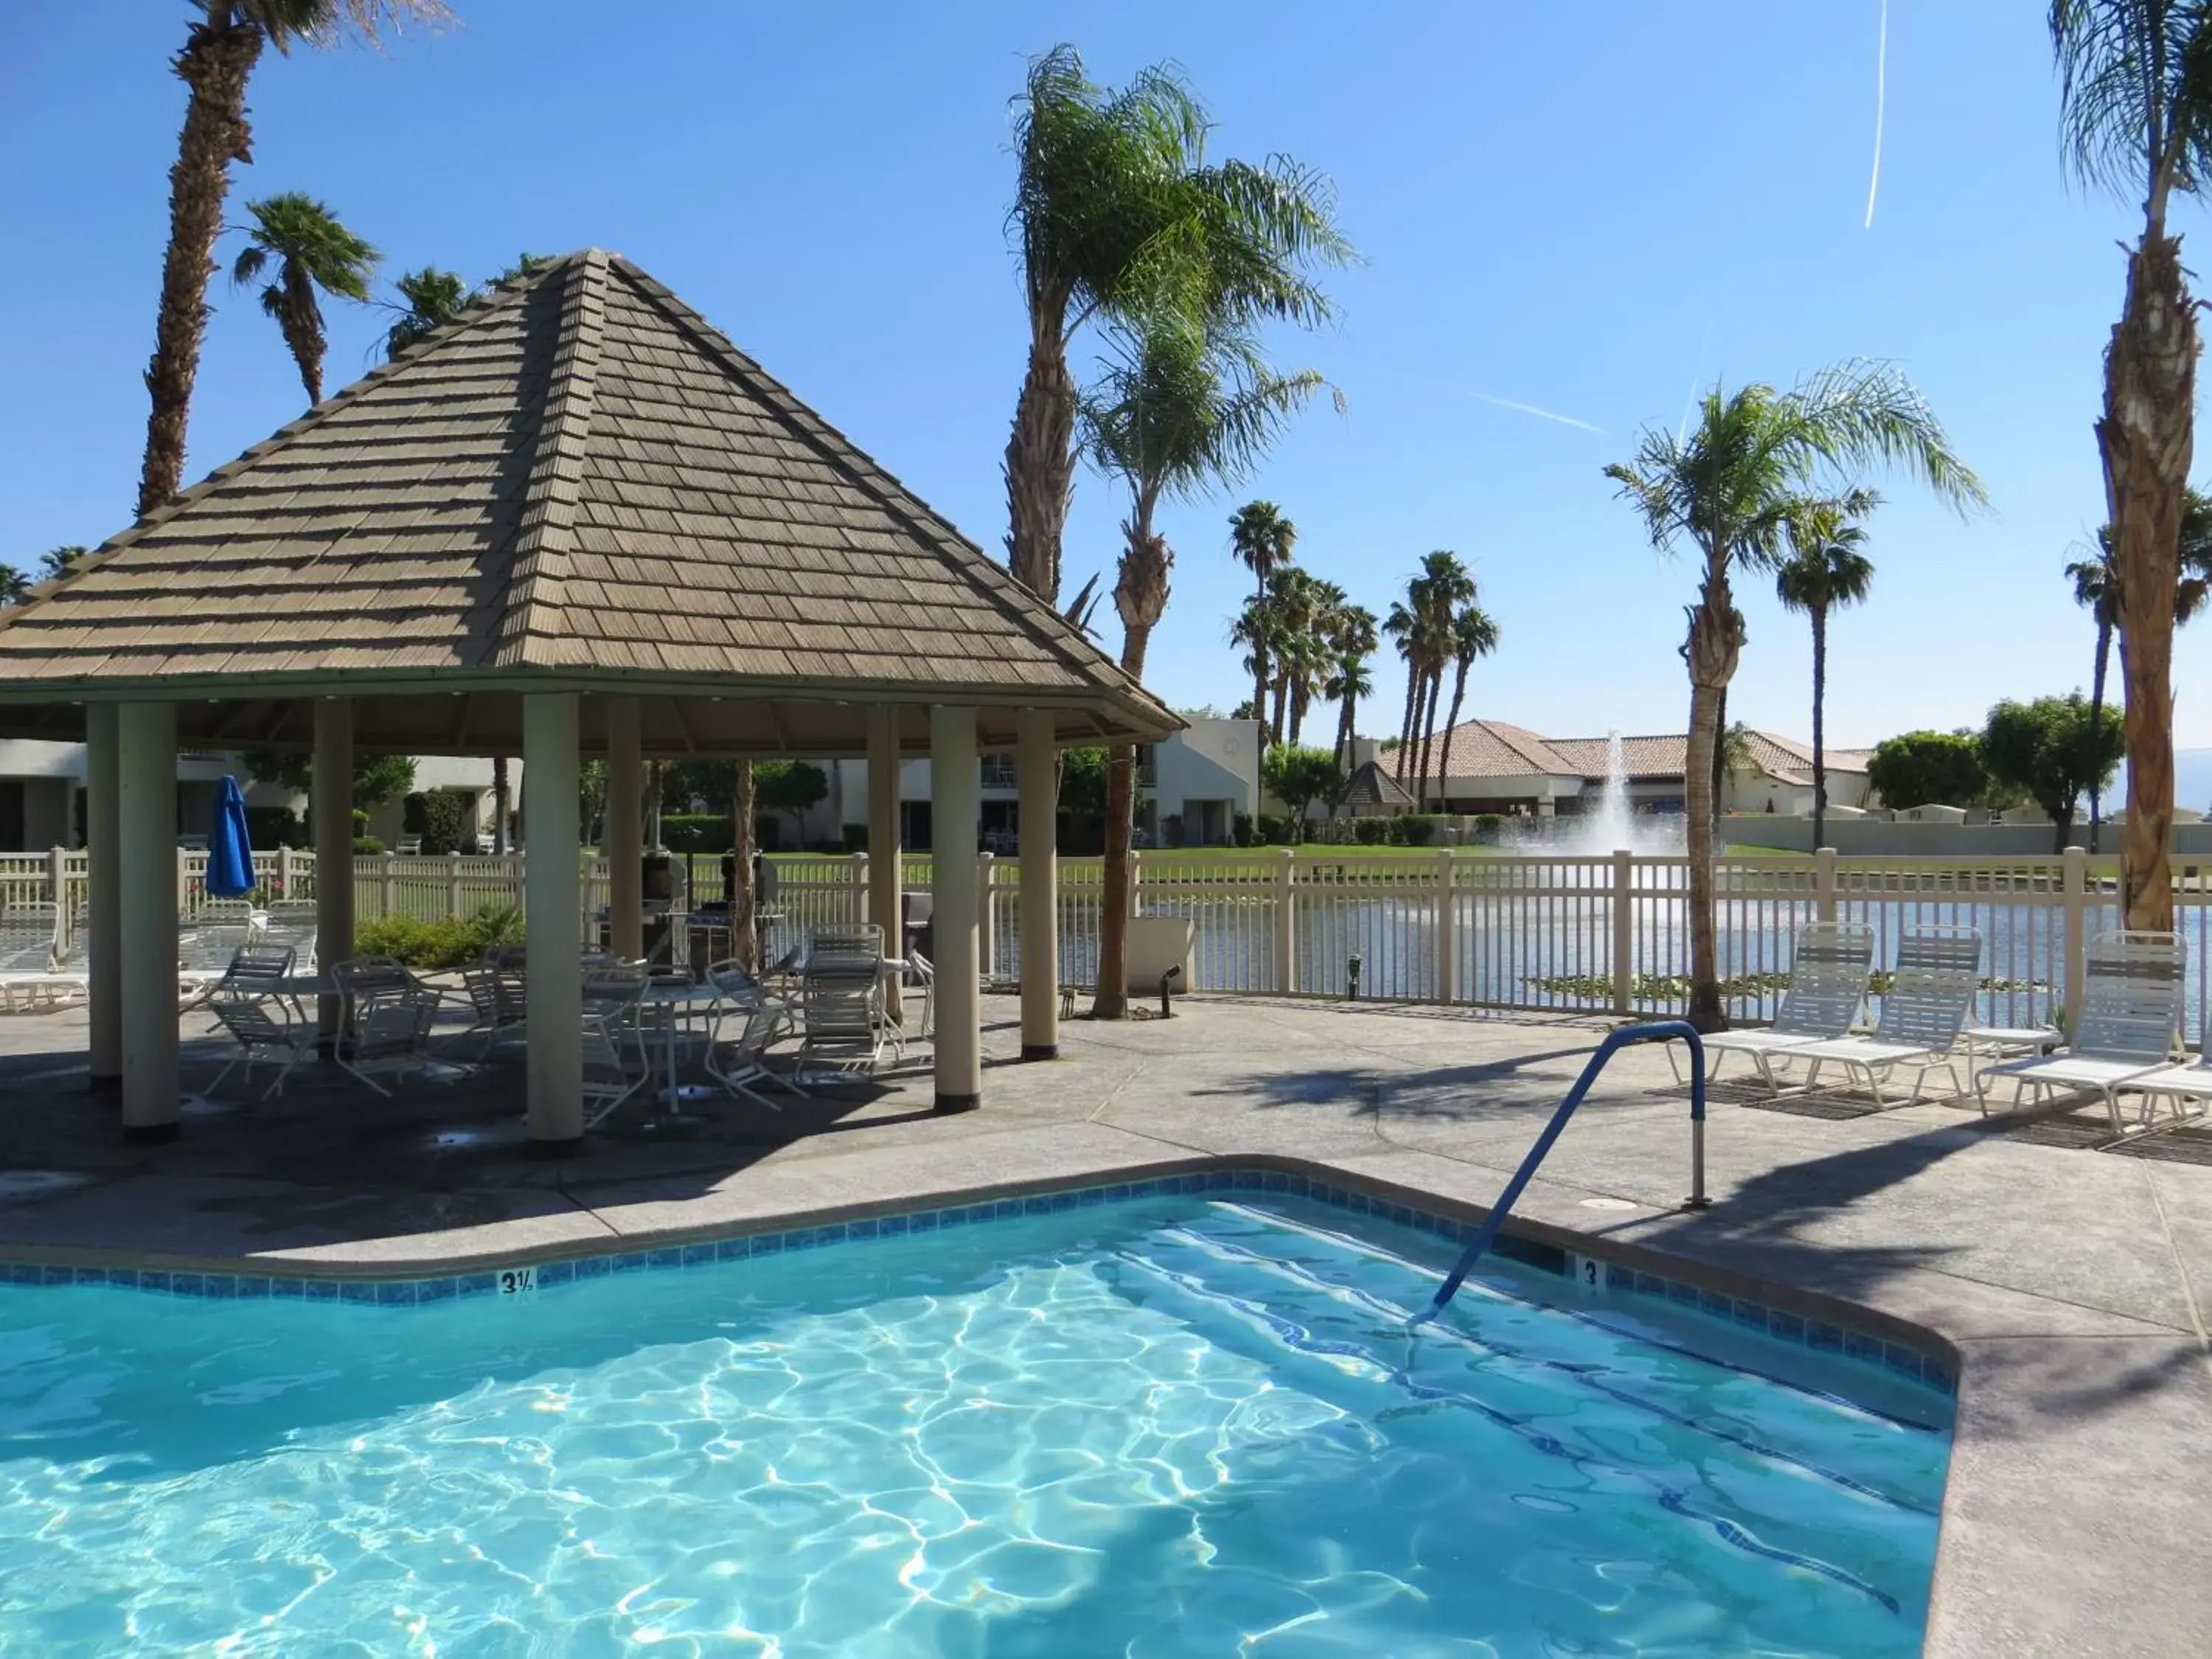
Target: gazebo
{"points": [[576, 521]]}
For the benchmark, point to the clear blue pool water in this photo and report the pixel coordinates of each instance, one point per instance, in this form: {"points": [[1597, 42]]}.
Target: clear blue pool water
{"points": [[1175, 1426]]}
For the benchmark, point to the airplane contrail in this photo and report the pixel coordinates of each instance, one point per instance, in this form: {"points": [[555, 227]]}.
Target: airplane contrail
{"points": [[1880, 99], [1540, 413]]}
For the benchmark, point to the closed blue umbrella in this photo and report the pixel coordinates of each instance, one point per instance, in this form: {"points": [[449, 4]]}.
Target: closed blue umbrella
{"points": [[230, 847]]}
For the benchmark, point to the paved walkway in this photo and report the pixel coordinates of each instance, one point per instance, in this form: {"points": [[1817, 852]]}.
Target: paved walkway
{"points": [[2078, 1519]]}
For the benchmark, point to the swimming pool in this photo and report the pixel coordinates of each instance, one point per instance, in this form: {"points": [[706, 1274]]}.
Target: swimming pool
{"points": [[1184, 1425]]}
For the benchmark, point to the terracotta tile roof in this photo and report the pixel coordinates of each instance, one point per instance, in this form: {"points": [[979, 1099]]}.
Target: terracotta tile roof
{"points": [[579, 478], [1640, 757], [1492, 749]]}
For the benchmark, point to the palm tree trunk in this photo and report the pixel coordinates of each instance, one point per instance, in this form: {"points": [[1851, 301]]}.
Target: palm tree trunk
{"points": [[1141, 596], [302, 324], [1343, 732], [499, 804], [1820, 754], [1421, 718], [1282, 702], [743, 901], [216, 63], [1716, 640], [2150, 389], [2097, 722], [1720, 756], [1429, 734], [1405, 725], [1260, 654], [1041, 456], [1451, 723]]}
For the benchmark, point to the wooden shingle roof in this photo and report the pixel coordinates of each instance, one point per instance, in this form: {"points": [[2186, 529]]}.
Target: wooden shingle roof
{"points": [[578, 485]]}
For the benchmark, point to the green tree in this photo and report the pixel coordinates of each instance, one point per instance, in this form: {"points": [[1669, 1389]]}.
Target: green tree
{"points": [[1188, 403], [14, 585], [1728, 486], [1352, 642], [60, 561], [376, 778], [1435, 599], [790, 786], [221, 45], [434, 298], [1825, 571], [1925, 769], [1114, 201], [1299, 777], [2135, 113], [1263, 541], [2053, 750], [310, 250]]}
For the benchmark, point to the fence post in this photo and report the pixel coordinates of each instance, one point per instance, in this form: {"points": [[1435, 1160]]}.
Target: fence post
{"points": [[1624, 932], [185, 905], [1136, 883], [454, 886], [284, 872], [57, 881], [1286, 936], [391, 873], [1824, 883], [1447, 929], [864, 911], [987, 939], [2074, 866]]}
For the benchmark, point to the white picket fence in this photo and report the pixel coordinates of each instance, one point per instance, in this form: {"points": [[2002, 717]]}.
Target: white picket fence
{"points": [[1553, 932]]}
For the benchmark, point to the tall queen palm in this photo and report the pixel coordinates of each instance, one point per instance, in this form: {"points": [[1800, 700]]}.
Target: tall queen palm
{"points": [[1825, 572], [1263, 541], [2135, 110], [1185, 406], [220, 48], [1728, 487], [1113, 201], [310, 250]]}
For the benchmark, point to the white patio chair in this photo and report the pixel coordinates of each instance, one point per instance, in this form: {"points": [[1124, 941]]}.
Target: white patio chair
{"points": [[29, 940], [920, 966], [736, 1056], [289, 922], [206, 944], [2131, 991], [498, 997], [384, 1020], [1930, 997], [737, 986], [1825, 996], [249, 1002], [616, 1063]]}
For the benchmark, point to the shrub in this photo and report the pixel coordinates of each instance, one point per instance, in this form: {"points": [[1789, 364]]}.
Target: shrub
{"points": [[442, 944], [1273, 831], [367, 844], [1421, 828], [1171, 829], [1371, 832], [1396, 836], [1242, 828], [360, 821], [274, 826], [439, 817]]}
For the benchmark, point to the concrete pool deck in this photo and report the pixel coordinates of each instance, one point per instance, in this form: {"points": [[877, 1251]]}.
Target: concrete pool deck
{"points": [[2078, 1516]]}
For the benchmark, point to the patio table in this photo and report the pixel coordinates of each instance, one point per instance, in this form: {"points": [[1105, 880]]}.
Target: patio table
{"points": [[676, 999], [2001, 1042]]}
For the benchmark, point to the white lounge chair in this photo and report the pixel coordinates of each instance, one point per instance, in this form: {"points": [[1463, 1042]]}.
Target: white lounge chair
{"points": [[1826, 994], [29, 943], [2131, 991], [1930, 997], [842, 992], [207, 943]]}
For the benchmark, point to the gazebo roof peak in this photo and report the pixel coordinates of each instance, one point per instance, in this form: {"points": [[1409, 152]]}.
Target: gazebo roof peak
{"points": [[578, 484]]}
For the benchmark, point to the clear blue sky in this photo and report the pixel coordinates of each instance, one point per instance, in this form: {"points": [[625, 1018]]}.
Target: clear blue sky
{"points": [[1584, 209]]}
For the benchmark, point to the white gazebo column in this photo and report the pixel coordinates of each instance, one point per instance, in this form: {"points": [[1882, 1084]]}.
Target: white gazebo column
{"points": [[1036, 766], [145, 804], [552, 967], [103, 898], [886, 883], [955, 787], [331, 804], [625, 854]]}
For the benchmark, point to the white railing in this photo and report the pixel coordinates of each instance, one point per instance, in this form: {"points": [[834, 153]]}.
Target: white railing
{"points": [[1548, 931]]}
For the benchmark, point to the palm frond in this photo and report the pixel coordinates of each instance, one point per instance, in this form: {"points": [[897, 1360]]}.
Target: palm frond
{"points": [[2135, 82], [1860, 413], [325, 22], [251, 259]]}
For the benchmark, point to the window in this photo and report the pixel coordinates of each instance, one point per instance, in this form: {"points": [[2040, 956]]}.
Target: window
{"points": [[1148, 767], [998, 772]]}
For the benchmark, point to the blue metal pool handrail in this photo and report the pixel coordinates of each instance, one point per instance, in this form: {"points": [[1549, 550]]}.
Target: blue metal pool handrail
{"points": [[1657, 1031]]}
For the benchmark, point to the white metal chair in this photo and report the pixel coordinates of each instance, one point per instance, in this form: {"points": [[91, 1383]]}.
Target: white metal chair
{"points": [[498, 997], [207, 943], [2131, 994], [1930, 997], [920, 966], [384, 1020], [615, 1064], [842, 989], [29, 941], [249, 1002], [289, 922], [746, 1021], [1825, 996]]}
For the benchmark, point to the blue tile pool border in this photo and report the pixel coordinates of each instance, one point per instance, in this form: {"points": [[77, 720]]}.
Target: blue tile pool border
{"points": [[1802, 1330]]}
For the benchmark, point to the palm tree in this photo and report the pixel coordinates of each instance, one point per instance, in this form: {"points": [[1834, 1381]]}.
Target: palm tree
{"points": [[1473, 635], [1312, 652], [1403, 626], [221, 49], [1262, 540], [1352, 644], [60, 561], [1439, 593], [1296, 602], [14, 585], [1114, 203], [1825, 572], [1185, 407], [2097, 589], [312, 250], [433, 297], [2135, 111], [1728, 486]]}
